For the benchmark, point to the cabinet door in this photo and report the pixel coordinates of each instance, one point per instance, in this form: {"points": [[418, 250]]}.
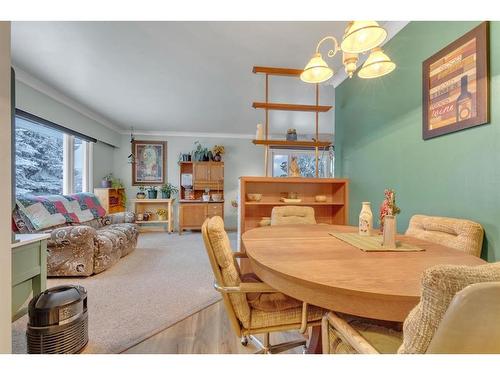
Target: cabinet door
{"points": [[200, 172], [216, 172], [193, 214], [215, 209]]}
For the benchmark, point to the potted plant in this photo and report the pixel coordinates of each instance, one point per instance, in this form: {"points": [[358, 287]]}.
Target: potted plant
{"points": [[161, 213], [200, 153], [218, 151], [141, 194], [168, 190], [107, 180], [152, 192]]}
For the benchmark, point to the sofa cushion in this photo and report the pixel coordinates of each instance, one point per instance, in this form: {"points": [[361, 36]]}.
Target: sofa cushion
{"points": [[131, 233], [109, 245], [439, 286]]}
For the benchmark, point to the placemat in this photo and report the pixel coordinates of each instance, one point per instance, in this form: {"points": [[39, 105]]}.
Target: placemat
{"points": [[372, 243]]}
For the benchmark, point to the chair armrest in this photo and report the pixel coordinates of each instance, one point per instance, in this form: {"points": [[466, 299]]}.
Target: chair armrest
{"points": [[240, 254], [245, 288], [122, 217], [347, 333]]}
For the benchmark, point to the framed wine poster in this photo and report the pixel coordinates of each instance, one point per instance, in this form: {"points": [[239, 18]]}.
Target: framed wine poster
{"points": [[149, 163], [455, 85]]}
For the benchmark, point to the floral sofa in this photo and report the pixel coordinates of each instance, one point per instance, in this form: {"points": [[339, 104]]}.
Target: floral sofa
{"points": [[84, 240]]}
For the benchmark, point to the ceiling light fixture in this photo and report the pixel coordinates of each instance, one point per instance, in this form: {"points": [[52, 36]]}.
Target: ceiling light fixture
{"points": [[378, 64], [359, 37]]}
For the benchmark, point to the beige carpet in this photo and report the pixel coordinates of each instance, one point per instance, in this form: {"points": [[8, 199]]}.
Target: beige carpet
{"points": [[166, 279]]}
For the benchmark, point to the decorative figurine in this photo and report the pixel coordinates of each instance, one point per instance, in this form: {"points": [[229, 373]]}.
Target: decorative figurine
{"points": [[294, 170]]}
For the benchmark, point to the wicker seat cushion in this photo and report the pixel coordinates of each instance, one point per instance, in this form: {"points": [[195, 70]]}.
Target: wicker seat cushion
{"points": [[292, 215], [385, 337], [264, 319], [228, 266], [464, 235], [268, 301], [439, 286]]}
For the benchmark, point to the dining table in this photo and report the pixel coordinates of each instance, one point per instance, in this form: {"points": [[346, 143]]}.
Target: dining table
{"points": [[308, 263]]}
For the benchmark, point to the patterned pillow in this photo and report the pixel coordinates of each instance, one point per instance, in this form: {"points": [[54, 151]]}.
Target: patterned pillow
{"points": [[439, 286], [47, 211]]}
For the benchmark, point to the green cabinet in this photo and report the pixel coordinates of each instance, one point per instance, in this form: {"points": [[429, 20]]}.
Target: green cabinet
{"points": [[29, 270]]}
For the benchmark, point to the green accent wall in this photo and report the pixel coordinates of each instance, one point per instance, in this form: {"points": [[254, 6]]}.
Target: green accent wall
{"points": [[379, 140]]}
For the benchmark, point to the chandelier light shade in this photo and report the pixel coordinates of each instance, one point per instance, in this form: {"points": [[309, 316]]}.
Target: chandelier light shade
{"points": [[378, 64], [316, 70], [362, 36]]}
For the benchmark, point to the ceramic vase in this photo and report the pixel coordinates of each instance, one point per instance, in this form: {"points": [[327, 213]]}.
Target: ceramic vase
{"points": [[365, 220], [389, 236], [260, 132]]}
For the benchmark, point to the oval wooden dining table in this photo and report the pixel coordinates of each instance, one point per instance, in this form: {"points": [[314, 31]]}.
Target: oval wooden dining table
{"points": [[307, 263]]}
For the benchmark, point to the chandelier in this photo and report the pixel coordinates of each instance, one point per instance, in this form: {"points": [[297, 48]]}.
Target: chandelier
{"points": [[359, 37]]}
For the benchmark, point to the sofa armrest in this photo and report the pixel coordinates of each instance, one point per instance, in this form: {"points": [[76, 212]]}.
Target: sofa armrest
{"points": [[71, 235], [122, 217]]}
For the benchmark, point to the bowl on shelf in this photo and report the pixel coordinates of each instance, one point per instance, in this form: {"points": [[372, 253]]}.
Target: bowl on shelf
{"points": [[254, 197], [320, 198], [216, 197]]}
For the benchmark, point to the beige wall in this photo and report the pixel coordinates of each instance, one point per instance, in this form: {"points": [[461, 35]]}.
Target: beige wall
{"points": [[5, 190], [242, 158]]}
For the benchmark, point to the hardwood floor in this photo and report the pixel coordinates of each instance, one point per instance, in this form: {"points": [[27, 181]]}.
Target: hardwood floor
{"points": [[205, 332]]}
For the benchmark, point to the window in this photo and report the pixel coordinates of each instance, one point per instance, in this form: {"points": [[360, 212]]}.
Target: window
{"points": [[49, 158], [281, 158]]}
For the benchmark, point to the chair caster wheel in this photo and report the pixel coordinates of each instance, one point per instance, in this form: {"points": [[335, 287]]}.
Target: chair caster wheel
{"points": [[244, 341]]}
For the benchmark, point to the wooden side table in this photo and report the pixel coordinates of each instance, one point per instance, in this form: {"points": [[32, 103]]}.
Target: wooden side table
{"points": [[29, 270], [152, 205]]}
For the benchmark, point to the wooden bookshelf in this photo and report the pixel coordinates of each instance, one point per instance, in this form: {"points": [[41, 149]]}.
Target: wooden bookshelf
{"points": [[269, 106], [335, 210], [112, 199]]}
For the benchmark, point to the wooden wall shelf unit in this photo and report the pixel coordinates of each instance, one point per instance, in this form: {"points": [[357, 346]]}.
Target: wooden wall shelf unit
{"points": [[112, 199], [334, 211], [288, 144], [268, 106], [205, 175], [291, 107]]}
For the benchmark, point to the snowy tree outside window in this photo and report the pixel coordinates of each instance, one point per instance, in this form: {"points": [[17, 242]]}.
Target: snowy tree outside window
{"points": [[39, 159]]}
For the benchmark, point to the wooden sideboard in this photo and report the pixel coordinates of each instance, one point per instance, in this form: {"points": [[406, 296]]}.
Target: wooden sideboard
{"points": [[112, 199], [193, 214], [206, 175], [334, 210]]}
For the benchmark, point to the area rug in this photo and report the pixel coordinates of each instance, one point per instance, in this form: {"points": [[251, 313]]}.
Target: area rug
{"points": [[166, 279]]}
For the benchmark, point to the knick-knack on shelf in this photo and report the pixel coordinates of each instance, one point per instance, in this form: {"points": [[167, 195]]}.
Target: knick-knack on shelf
{"points": [[365, 220], [260, 132]]}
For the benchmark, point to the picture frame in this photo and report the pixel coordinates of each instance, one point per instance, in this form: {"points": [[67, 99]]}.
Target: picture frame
{"points": [[455, 85], [149, 162]]}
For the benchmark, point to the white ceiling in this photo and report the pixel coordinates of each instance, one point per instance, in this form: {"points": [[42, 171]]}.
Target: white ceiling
{"points": [[177, 76]]}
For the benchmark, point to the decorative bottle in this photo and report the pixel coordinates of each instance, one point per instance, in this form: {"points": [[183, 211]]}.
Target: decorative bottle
{"points": [[464, 101], [365, 220], [260, 133]]}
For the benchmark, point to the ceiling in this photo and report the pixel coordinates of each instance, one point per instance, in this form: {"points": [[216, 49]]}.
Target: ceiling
{"points": [[177, 76]]}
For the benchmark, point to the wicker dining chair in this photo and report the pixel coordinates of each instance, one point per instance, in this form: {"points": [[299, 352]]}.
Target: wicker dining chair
{"points": [[459, 312], [253, 307], [460, 234], [283, 215]]}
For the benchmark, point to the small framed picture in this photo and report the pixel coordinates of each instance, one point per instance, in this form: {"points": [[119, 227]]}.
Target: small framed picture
{"points": [[149, 161], [455, 85]]}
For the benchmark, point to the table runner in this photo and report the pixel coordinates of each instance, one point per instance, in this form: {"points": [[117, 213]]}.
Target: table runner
{"points": [[372, 243]]}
